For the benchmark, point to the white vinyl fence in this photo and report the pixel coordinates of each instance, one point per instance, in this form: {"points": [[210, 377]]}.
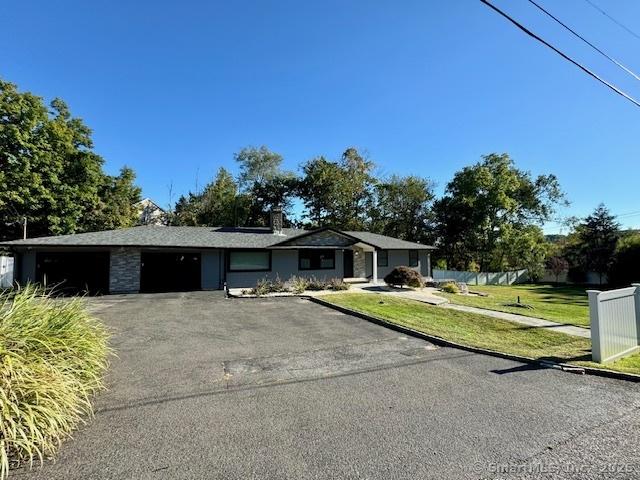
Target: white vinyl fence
{"points": [[615, 323], [481, 278], [6, 272]]}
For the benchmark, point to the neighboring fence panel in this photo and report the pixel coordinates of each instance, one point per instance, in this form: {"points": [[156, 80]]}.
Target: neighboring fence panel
{"points": [[615, 323], [6, 272], [591, 278], [481, 278]]}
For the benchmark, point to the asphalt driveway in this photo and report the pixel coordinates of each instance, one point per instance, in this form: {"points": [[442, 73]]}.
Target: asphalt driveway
{"points": [[204, 387]]}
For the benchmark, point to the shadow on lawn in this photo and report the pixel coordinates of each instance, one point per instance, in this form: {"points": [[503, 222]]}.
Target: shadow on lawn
{"points": [[561, 294], [552, 327]]}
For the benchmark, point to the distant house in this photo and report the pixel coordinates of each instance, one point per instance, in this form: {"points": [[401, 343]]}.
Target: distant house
{"points": [[153, 258], [150, 213]]}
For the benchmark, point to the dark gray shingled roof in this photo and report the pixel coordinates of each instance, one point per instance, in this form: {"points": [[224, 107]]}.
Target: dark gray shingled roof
{"points": [[387, 243], [194, 237]]}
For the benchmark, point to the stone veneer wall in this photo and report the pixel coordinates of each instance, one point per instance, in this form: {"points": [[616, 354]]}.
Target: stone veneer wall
{"points": [[359, 263], [124, 271]]}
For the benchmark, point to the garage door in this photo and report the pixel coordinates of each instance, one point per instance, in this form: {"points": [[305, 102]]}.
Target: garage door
{"points": [[74, 272], [169, 272]]}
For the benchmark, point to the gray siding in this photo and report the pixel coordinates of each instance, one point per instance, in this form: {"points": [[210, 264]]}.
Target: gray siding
{"points": [[284, 263], [124, 271], [27, 267], [212, 263], [397, 258]]}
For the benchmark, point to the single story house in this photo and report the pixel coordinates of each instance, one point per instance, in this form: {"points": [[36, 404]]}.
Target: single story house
{"points": [[165, 258]]}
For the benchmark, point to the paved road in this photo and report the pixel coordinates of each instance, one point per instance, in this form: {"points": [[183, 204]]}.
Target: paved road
{"points": [[205, 387]]}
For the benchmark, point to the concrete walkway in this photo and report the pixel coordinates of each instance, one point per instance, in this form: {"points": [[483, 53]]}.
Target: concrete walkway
{"points": [[531, 321]]}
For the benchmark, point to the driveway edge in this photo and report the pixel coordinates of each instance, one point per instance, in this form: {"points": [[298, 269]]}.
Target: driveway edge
{"points": [[565, 367]]}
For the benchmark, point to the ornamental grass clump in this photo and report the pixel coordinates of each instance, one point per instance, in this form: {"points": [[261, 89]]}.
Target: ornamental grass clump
{"points": [[53, 355]]}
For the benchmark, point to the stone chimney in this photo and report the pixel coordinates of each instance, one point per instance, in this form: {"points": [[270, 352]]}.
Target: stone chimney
{"points": [[276, 221]]}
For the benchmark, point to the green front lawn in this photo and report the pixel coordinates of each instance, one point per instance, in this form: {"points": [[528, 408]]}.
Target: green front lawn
{"points": [[479, 330], [562, 304]]}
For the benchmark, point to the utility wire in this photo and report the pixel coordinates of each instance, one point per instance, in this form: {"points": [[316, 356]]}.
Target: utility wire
{"points": [[586, 41], [613, 19], [566, 57]]}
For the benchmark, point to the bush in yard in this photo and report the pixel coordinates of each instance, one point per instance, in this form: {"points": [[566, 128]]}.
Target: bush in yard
{"points": [[53, 354], [277, 285], [262, 287], [317, 284], [338, 284], [265, 286], [450, 287], [298, 284], [401, 276]]}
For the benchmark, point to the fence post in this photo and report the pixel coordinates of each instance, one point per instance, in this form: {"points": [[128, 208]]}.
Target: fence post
{"points": [[637, 298], [594, 316]]}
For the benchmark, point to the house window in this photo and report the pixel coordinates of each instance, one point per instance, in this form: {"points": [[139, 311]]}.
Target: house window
{"points": [[413, 258], [383, 258], [249, 261], [316, 259]]}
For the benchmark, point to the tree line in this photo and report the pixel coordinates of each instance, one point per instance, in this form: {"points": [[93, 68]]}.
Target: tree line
{"points": [[597, 245], [50, 175], [489, 217]]}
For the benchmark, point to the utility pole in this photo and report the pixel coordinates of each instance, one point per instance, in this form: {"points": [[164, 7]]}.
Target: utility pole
{"points": [[24, 228]]}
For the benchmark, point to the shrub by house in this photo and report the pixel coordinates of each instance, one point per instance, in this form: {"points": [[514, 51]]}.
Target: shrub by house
{"points": [[401, 276]]}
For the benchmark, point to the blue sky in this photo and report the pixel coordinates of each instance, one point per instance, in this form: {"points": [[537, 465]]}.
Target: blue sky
{"points": [[173, 89]]}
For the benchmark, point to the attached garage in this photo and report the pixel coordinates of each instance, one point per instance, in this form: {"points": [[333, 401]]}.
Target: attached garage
{"points": [[74, 272], [170, 271]]}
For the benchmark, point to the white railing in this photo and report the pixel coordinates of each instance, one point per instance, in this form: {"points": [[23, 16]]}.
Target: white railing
{"points": [[615, 323], [6, 272], [481, 278]]}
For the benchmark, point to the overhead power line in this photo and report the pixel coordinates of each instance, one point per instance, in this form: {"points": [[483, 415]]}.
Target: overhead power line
{"points": [[630, 214], [566, 57], [613, 19], [611, 59]]}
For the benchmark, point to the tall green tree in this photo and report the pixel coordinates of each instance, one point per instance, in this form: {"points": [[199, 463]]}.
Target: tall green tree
{"points": [[485, 199], [48, 170], [591, 247], [217, 205], [521, 247], [402, 208], [219, 200], [264, 185], [625, 269], [257, 165], [338, 194], [115, 207], [262, 197]]}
